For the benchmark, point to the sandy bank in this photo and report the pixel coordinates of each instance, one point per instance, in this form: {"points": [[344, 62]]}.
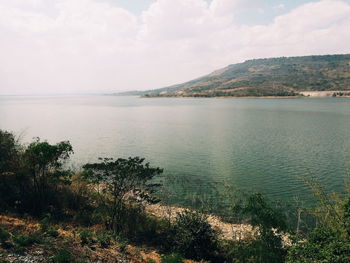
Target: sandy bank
{"points": [[228, 231]]}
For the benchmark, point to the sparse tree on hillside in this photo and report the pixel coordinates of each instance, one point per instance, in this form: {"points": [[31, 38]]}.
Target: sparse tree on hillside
{"points": [[45, 162], [122, 179]]}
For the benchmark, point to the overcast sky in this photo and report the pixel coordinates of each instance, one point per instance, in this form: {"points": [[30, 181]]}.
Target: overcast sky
{"points": [[78, 46]]}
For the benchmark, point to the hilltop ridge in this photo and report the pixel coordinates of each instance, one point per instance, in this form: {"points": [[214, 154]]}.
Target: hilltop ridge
{"points": [[283, 76]]}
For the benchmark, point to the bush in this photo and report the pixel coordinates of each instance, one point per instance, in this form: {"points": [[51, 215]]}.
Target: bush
{"points": [[122, 244], [63, 256], [172, 258], [86, 237], [4, 236], [104, 239], [323, 245], [193, 237], [47, 228], [25, 240], [52, 232], [138, 225]]}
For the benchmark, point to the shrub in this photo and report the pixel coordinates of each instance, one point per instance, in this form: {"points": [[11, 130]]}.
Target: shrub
{"points": [[86, 237], [47, 228], [25, 240], [139, 226], [323, 245], [104, 239], [4, 236], [172, 258], [123, 245], [52, 232], [193, 237], [270, 223], [63, 256], [4, 239]]}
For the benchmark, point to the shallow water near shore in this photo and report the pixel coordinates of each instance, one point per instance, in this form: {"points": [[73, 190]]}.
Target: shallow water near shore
{"points": [[262, 145]]}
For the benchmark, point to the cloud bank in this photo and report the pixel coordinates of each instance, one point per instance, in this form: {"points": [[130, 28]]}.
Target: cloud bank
{"points": [[65, 46]]}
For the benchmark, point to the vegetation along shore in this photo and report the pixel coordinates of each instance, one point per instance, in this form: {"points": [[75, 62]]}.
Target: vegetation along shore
{"points": [[110, 211]]}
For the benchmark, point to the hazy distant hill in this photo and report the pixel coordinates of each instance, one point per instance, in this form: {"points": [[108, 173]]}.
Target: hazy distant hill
{"points": [[268, 77]]}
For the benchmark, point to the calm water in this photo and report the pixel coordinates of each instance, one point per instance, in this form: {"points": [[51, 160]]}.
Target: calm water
{"points": [[256, 144]]}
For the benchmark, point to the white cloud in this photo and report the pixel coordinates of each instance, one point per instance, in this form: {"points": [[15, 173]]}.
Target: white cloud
{"points": [[279, 6], [89, 45]]}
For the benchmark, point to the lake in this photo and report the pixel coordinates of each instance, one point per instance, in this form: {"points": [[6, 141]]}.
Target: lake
{"points": [[253, 144]]}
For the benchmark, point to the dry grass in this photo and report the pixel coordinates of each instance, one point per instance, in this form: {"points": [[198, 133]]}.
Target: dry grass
{"points": [[68, 238]]}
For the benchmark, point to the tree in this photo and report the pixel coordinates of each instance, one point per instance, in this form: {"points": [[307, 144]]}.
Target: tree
{"points": [[8, 152], [120, 180], [45, 165], [9, 167]]}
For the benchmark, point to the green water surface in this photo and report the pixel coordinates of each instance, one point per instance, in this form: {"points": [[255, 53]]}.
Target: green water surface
{"points": [[255, 144]]}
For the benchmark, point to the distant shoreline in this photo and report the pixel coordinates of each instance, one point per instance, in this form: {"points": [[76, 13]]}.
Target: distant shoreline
{"points": [[326, 93], [301, 94]]}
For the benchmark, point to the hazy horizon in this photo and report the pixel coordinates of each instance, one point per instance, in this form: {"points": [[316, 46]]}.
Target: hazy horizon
{"points": [[65, 47]]}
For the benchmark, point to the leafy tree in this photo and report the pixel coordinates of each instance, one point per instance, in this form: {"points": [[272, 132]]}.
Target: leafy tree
{"points": [[11, 180], [120, 180], [8, 152], [45, 165], [45, 160]]}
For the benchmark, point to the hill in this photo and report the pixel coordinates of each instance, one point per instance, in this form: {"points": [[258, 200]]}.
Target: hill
{"points": [[284, 76]]}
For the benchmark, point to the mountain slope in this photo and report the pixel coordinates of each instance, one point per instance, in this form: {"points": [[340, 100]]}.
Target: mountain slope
{"points": [[268, 77]]}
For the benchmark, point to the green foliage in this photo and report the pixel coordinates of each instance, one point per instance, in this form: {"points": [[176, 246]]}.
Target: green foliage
{"points": [[330, 241], [63, 256], [45, 161], [33, 180], [104, 239], [10, 163], [267, 245], [262, 215], [32, 177], [86, 237], [4, 236], [8, 151], [323, 245], [47, 228], [25, 240], [192, 236], [172, 258], [52, 232], [123, 245], [121, 180], [346, 215]]}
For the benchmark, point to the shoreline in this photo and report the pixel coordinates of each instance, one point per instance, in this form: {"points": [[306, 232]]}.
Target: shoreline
{"points": [[227, 231], [301, 94]]}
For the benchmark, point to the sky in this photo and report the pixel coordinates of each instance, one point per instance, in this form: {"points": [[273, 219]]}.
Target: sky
{"points": [[99, 46]]}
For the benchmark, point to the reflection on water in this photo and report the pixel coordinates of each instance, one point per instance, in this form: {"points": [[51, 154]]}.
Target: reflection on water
{"points": [[254, 144]]}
